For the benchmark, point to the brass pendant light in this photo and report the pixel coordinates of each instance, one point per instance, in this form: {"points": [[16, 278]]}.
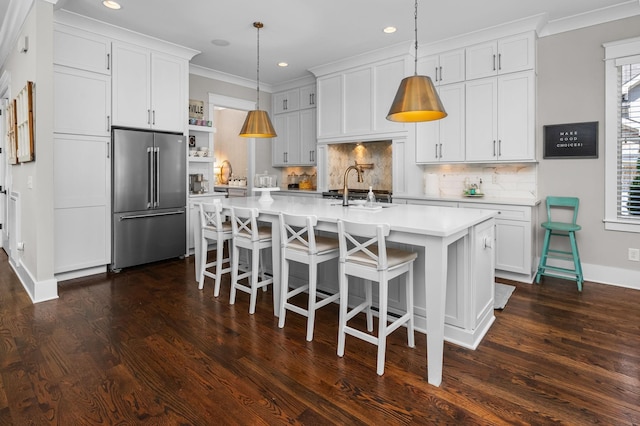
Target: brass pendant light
{"points": [[417, 98], [257, 124]]}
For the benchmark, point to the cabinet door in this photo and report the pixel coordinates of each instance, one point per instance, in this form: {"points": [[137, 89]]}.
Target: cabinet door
{"points": [[429, 66], [451, 67], [452, 127], [82, 207], [481, 120], [516, 53], [308, 140], [82, 102], [308, 97], [280, 142], [516, 133], [481, 60], [330, 106], [358, 101], [387, 77], [82, 50], [286, 146], [513, 246], [131, 86], [168, 101]]}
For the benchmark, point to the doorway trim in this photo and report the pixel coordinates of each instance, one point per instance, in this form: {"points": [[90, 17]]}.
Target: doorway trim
{"points": [[5, 178], [216, 100]]}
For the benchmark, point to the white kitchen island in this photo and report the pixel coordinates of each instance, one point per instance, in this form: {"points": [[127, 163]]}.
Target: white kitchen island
{"points": [[454, 271]]}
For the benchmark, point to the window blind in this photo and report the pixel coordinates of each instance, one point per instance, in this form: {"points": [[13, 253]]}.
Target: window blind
{"points": [[628, 171]]}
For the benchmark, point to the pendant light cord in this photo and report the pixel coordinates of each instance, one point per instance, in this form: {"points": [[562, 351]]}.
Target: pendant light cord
{"points": [[258, 25], [415, 26]]}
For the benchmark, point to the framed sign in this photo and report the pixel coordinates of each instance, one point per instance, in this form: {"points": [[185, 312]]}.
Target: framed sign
{"points": [[574, 140], [196, 109]]}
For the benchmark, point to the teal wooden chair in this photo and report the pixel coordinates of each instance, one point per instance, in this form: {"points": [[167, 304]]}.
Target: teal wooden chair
{"points": [[561, 229]]}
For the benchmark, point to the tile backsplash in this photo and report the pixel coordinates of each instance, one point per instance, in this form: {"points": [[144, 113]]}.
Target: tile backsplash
{"points": [[498, 180], [343, 155]]}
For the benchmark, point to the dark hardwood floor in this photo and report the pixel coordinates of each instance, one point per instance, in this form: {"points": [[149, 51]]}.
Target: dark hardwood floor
{"points": [[147, 347]]}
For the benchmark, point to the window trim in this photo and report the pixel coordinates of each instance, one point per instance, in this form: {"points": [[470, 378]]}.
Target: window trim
{"points": [[616, 53]]}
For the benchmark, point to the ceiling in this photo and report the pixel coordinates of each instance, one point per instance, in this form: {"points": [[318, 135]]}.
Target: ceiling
{"points": [[308, 33]]}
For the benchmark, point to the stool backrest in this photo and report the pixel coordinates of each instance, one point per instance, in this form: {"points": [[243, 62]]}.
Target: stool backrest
{"points": [[244, 222], [562, 202], [364, 244], [211, 215], [297, 232]]}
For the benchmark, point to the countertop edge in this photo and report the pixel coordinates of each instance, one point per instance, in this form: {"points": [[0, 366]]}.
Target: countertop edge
{"points": [[477, 200]]}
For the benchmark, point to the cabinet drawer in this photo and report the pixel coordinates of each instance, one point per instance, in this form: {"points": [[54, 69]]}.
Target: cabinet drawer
{"points": [[508, 212]]}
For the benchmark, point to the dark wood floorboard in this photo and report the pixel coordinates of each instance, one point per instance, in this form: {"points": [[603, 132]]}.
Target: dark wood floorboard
{"points": [[145, 346]]}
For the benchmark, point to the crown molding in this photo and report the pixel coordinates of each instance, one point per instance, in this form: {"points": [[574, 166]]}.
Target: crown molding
{"points": [[594, 17], [228, 78]]}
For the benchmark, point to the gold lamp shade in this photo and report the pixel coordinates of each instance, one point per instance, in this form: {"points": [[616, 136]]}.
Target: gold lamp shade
{"points": [[416, 100], [257, 125]]}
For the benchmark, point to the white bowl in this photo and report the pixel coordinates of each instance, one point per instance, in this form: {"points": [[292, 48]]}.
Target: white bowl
{"points": [[202, 153]]}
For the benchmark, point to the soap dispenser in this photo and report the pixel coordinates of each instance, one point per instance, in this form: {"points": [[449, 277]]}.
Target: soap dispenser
{"points": [[371, 198]]}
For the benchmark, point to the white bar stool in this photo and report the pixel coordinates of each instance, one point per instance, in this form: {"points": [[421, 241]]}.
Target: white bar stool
{"points": [[248, 235], [364, 254], [299, 243], [219, 231]]}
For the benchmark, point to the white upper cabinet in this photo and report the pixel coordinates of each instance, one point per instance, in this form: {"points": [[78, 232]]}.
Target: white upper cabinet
{"points": [[500, 117], [308, 96], [445, 68], [82, 50], [148, 89], [505, 55], [444, 140], [354, 103], [286, 101]]}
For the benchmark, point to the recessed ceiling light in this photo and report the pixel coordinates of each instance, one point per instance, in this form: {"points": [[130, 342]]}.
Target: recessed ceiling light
{"points": [[111, 4], [283, 64], [389, 30], [220, 42]]}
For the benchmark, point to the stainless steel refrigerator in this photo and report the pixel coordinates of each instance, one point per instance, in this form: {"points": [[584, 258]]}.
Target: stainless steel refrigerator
{"points": [[148, 197]]}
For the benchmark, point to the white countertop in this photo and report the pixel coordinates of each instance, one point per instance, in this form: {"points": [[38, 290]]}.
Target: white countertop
{"points": [[531, 202], [407, 218]]}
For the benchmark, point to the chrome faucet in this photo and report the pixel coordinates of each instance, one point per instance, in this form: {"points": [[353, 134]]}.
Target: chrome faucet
{"points": [[359, 170]]}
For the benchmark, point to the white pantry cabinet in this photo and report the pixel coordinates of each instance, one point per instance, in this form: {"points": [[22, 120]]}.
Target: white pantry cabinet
{"points": [[500, 118], [505, 55], [148, 88]]}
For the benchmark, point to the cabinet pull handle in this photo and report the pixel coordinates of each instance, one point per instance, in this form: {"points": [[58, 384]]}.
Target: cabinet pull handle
{"points": [[440, 73], [494, 148], [499, 147], [148, 116], [494, 62], [440, 150], [108, 149], [499, 61], [153, 113], [436, 74], [284, 104], [108, 123], [436, 146], [108, 61]]}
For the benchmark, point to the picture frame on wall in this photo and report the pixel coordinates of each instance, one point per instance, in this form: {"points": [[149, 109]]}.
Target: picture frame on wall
{"points": [[572, 140]]}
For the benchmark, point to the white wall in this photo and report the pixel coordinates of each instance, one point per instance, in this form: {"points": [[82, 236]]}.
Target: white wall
{"points": [[570, 89], [36, 261]]}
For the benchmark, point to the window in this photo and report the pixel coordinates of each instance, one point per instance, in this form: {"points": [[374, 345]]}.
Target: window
{"points": [[622, 136]]}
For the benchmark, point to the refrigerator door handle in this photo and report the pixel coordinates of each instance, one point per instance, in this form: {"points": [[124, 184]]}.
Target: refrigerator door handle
{"points": [[150, 185], [156, 166], [142, 216]]}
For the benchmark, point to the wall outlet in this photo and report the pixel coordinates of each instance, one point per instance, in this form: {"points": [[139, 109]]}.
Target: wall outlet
{"points": [[634, 254]]}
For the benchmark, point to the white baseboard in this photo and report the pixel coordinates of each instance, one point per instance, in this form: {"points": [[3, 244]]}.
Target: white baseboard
{"points": [[38, 291], [602, 274], [63, 276]]}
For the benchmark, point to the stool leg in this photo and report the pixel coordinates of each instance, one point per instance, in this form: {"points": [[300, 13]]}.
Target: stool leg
{"points": [[255, 264], [576, 259], [543, 257], [234, 273], [411, 342], [383, 295], [284, 276], [311, 308], [219, 252], [344, 303], [203, 261], [369, 298]]}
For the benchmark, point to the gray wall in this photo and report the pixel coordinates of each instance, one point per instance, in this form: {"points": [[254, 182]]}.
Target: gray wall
{"points": [[570, 89]]}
